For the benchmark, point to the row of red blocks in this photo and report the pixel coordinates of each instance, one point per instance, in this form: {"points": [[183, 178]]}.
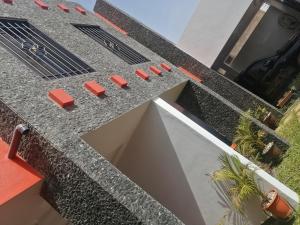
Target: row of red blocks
{"points": [[61, 6], [142, 74], [79, 9], [43, 5], [63, 99]]}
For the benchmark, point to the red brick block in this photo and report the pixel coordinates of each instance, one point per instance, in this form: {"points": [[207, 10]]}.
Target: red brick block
{"points": [[80, 9], [141, 73], [166, 67], [63, 7], [61, 97], [119, 80], [41, 4], [155, 70], [94, 87]]}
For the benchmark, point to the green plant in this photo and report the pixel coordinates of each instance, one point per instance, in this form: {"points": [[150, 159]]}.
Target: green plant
{"points": [[241, 186], [259, 113], [249, 141], [241, 180], [288, 170], [297, 216]]}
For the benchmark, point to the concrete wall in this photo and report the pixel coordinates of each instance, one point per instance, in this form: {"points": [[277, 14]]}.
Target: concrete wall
{"points": [[223, 86], [68, 189], [216, 113], [171, 157], [210, 27]]}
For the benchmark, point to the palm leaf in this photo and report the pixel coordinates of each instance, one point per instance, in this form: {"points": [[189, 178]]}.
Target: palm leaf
{"points": [[240, 177]]}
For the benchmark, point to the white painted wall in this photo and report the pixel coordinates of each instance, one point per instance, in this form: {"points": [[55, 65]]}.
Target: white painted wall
{"points": [[151, 162], [210, 27], [171, 157]]}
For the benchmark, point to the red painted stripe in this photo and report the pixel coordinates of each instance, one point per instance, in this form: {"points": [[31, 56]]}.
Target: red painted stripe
{"points": [[41, 4], [190, 75], [16, 175], [111, 24]]}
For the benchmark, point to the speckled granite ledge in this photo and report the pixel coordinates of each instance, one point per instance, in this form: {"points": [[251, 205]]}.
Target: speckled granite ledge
{"points": [[226, 88], [82, 185], [219, 113]]}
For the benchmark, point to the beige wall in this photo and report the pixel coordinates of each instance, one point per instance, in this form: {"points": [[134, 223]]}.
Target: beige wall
{"points": [[210, 27], [112, 138]]}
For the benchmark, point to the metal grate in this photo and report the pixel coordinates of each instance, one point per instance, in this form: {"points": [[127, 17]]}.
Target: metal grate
{"points": [[112, 44], [46, 57]]}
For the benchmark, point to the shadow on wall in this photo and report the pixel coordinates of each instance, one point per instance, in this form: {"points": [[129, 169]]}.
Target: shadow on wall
{"points": [[147, 157], [169, 156], [231, 216]]}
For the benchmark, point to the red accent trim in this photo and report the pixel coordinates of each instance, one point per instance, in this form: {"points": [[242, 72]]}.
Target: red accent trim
{"points": [[63, 7], [41, 4], [111, 24], [119, 80], [80, 10], [94, 87], [155, 70], [8, 1], [16, 175], [62, 98], [166, 67], [190, 75], [141, 73]]}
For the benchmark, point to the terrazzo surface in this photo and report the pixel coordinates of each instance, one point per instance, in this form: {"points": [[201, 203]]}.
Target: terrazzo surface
{"points": [[82, 185], [221, 85]]}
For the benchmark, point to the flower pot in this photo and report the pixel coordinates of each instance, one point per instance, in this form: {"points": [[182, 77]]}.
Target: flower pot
{"points": [[270, 120], [272, 151], [285, 99], [277, 206], [234, 146]]}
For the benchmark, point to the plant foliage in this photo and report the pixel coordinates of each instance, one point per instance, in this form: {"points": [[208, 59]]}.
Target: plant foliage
{"points": [[241, 179], [249, 140], [289, 169]]}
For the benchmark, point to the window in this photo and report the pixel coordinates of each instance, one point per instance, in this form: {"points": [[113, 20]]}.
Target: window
{"points": [[46, 57], [112, 44]]}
